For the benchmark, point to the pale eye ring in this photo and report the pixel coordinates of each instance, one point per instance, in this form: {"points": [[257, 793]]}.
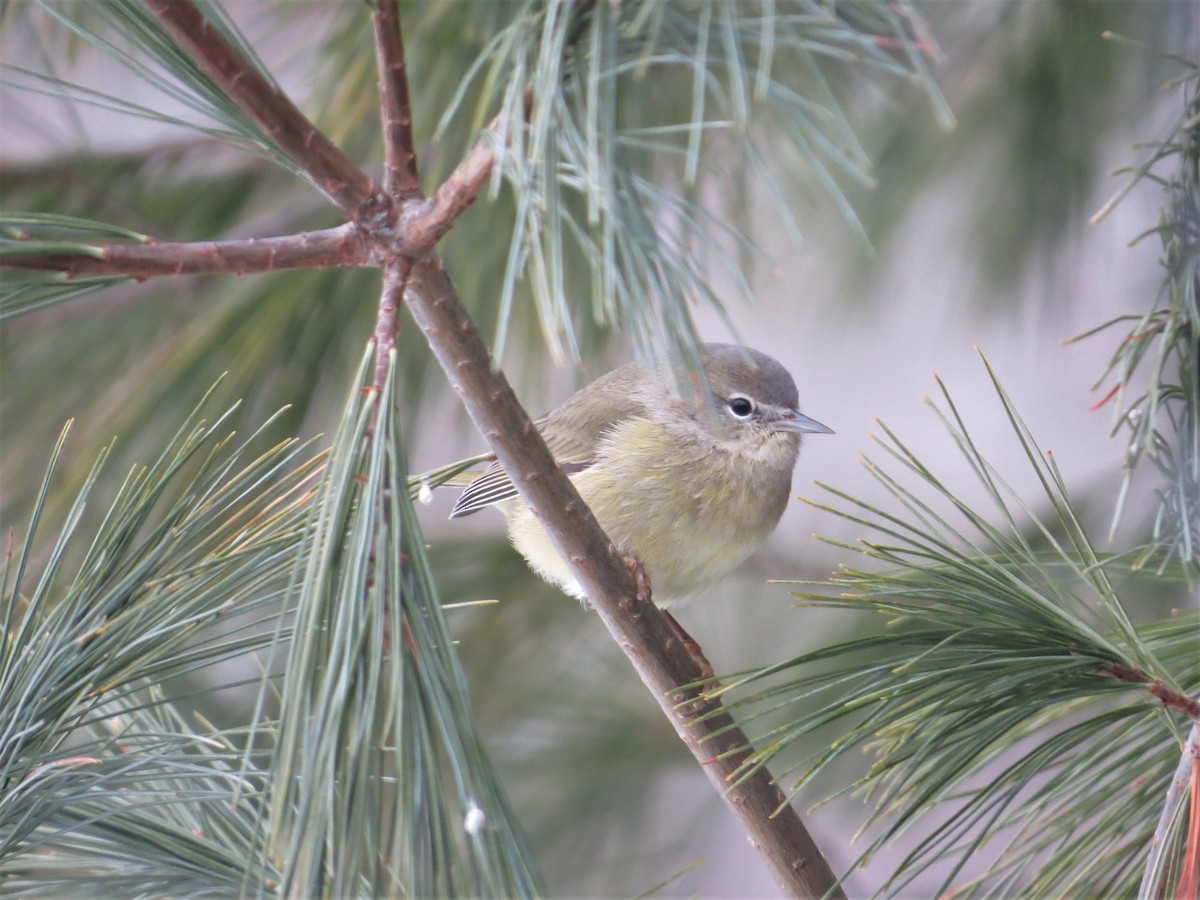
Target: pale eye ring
{"points": [[740, 406]]}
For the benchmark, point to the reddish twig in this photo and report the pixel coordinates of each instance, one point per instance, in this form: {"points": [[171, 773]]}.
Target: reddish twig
{"points": [[364, 242], [387, 321], [375, 235], [1189, 874], [423, 225], [341, 246], [400, 155], [1168, 697], [1099, 403], [638, 627], [274, 112], [1161, 847]]}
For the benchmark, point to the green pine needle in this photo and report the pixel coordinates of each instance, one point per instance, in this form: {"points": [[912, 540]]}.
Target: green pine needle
{"points": [[1161, 349], [98, 775], [580, 134], [375, 720]]}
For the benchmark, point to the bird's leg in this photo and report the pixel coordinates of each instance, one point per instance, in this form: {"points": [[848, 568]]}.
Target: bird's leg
{"points": [[689, 643], [692, 648]]}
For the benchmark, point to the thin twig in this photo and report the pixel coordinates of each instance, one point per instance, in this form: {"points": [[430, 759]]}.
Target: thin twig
{"points": [[637, 625], [1189, 875], [400, 155], [361, 243], [1160, 844], [280, 119], [365, 242], [421, 226], [395, 276], [344, 245], [1168, 697]]}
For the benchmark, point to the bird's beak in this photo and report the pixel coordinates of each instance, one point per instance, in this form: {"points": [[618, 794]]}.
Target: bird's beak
{"points": [[798, 423]]}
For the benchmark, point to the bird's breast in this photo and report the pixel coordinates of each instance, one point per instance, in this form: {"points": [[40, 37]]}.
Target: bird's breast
{"points": [[689, 512]]}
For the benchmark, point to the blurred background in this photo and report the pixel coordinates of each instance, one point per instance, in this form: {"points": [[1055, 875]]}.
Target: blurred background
{"points": [[977, 241]]}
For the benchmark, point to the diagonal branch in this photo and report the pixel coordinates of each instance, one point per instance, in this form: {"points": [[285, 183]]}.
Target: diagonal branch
{"points": [[423, 225], [400, 155], [367, 241], [340, 246], [637, 625], [280, 119]]}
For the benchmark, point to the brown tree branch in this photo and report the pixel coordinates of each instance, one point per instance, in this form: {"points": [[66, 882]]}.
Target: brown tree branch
{"points": [[280, 119], [400, 155], [422, 225], [342, 246], [637, 625], [387, 320], [1168, 697]]}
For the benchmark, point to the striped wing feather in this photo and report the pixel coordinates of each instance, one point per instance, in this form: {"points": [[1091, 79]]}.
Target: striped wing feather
{"points": [[572, 433]]}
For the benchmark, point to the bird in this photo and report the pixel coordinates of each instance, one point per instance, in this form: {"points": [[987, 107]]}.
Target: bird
{"points": [[687, 484]]}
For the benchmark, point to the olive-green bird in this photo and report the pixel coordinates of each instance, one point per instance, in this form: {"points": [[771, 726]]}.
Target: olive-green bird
{"points": [[687, 487]]}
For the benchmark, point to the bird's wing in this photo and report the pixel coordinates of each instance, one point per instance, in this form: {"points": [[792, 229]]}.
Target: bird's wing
{"points": [[571, 432]]}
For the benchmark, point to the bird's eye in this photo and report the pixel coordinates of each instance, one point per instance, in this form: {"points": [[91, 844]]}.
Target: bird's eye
{"points": [[740, 406]]}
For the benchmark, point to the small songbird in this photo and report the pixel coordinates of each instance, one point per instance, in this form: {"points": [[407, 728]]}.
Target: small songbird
{"points": [[687, 485]]}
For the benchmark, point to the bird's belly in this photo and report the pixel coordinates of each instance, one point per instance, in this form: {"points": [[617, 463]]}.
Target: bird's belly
{"points": [[686, 539]]}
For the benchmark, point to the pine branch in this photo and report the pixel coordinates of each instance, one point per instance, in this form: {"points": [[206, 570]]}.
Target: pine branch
{"points": [[334, 172], [400, 156], [983, 693], [636, 624], [395, 277], [1168, 697], [345, 245], [422, 226]]}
